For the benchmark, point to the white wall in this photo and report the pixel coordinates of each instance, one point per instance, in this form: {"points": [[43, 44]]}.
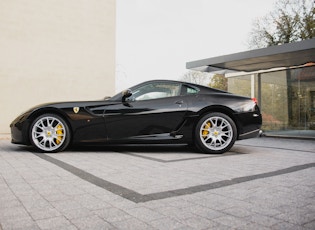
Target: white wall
{"points": [[54, 51]]}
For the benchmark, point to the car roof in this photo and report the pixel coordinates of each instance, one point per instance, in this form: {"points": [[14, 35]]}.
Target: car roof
{"points": [[202, 88]]}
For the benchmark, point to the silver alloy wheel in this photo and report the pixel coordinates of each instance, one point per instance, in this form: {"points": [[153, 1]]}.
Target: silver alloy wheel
{"points": [[48, 133], [216, 133]]}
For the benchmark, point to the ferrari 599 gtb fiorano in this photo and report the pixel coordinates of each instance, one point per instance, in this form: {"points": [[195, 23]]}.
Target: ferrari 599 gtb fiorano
{"points": [[153, 112]]}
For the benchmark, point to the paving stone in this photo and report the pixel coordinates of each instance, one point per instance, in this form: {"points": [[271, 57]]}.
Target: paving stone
{"points": [[175, 213], [144, 214], [64, 205], [77, 213], [113, 214], [310, 225], [238, 212], [19, 224], [232, 221], [198, 222], [12, 213], [90, 202], [251, 226], [297, 216], [261, 183], [54, 223], [202, 211], [55, 196], [34, 203], [132, 223], [10, 203], [121, 203], [69, 190], [44, 213], [91, 222], [286, 226], [169, 223], [266, 221]]}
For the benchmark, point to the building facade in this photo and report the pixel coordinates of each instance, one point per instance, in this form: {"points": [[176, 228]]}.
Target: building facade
{"points": [[281, 78], [286, 97], [54, 51]]}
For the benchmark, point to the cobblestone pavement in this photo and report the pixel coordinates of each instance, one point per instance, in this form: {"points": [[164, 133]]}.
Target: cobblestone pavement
{"points": [[262, 183]]}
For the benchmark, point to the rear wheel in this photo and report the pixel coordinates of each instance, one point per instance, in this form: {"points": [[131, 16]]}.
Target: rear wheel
{"points": [[215, 133], [49, 133]]}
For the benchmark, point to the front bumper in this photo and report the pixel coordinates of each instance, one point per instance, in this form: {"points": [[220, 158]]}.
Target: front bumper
{"points": [[19, 129], [16, 135]]}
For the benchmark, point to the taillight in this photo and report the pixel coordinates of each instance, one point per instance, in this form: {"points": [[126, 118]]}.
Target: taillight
{"points": [[255, 100]]}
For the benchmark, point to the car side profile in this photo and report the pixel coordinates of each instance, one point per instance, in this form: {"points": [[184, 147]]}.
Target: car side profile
{"points": [[153, 112]]}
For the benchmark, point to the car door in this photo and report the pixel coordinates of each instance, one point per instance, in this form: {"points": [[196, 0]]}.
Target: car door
{"points": [[153, 111]]}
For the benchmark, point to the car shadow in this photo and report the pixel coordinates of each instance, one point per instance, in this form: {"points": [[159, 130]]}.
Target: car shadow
{"points": [[132, 149], [135, 148], [156, 149]]}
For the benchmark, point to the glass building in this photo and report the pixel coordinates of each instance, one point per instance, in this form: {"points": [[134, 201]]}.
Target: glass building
{"points": [[281, 78], [286, 98]]}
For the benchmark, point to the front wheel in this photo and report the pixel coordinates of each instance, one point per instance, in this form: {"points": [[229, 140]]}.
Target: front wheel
{"points": [[215, 133], [49, 133]]}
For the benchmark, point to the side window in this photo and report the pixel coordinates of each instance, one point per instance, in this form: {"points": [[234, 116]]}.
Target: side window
{"points": [[186, 90], [155, 91]]}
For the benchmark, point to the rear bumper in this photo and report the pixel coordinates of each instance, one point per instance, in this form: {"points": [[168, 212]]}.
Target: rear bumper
{"points": [[249, 125], [252, 134]]}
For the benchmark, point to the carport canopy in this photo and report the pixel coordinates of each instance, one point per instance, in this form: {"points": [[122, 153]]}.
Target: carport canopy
{"points": [[286, 55]]}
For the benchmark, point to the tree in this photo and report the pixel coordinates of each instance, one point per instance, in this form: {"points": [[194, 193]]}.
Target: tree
{"points": [[197, 77], [291, 21], [219, 81]]}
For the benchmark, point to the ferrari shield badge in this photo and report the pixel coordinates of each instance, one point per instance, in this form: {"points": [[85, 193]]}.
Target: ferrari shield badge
{"points": [[76, 109]]}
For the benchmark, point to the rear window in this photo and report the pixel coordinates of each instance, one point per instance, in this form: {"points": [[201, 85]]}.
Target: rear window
{"points": [[189, 90]]}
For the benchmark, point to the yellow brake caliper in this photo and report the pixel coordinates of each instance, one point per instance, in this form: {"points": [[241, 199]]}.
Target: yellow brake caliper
{"points": [[59, 133], [205, 130]]}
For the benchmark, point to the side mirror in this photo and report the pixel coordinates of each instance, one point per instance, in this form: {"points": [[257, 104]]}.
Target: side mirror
{"points": [[126, 93]]}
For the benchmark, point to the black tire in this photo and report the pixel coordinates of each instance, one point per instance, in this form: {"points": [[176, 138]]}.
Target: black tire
{"points": [[215, 133], [49, 133]]}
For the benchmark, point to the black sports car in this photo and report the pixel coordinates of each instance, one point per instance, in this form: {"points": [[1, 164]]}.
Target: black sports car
{"points": [[153, 112]]}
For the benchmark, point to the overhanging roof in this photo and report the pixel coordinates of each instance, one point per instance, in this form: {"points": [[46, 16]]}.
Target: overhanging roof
{"points": [[287, 55]]}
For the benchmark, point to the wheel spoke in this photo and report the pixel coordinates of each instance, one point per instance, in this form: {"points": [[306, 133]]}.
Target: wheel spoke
{"points": [[212, 143], [207, 138], [42, 142], [52, 143]]}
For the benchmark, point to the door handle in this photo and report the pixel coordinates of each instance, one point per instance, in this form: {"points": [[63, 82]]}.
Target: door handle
{"points": [[179, 103]]}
